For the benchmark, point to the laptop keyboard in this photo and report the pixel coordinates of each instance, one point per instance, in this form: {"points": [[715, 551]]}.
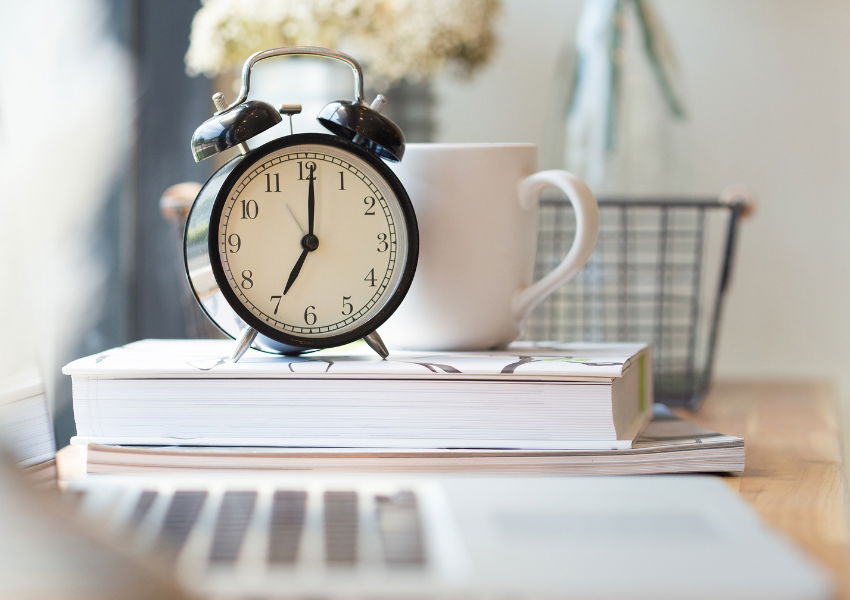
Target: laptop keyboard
{"points": [[326, 528]]}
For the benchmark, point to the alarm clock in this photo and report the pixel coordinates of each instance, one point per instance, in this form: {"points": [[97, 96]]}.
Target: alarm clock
{"points": [[307, 241]]}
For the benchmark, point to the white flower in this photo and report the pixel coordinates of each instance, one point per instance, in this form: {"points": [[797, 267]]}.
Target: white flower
{"points": [[397, 39]]}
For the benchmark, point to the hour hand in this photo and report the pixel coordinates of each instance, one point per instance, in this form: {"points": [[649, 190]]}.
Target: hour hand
{"points": [[295, 270]]}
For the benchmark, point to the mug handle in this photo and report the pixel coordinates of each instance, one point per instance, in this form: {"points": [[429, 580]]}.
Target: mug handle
{"points": [[587, 232]]}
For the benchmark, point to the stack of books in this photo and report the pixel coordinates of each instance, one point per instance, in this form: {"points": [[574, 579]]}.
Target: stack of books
{"points": [[173, 405]]}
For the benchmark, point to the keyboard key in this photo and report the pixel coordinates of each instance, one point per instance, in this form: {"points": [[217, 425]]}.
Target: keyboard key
{"points": [[141, 509], [179, 519], [400, 527], [341, 527], [234, 516], [287, 523]]}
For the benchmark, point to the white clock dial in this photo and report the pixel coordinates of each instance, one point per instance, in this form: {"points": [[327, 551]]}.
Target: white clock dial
{"points": [[317, 284]]}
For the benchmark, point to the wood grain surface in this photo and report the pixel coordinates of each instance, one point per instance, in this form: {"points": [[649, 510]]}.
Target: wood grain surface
{"points": [[794, 473]]}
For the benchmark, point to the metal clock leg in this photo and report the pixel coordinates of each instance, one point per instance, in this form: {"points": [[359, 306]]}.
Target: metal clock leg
{"points": [[377, 344], [246, 338]]}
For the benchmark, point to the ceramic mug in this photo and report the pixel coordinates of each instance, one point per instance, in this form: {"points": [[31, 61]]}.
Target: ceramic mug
{"points": [[477, 207]]}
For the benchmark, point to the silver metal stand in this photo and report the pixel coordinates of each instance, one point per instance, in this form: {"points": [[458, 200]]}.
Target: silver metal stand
{"points": [[377, 344], [246, 338]]}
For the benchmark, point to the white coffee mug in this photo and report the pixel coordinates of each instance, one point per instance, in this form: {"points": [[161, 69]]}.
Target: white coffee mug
{"points": [[477, 207]]}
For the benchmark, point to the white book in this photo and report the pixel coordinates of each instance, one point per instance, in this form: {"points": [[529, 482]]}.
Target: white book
{"points": [[668, 444], [530, 396], [26, 425]]}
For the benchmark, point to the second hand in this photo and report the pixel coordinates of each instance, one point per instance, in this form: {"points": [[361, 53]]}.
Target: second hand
{"points": [[294, 218]]}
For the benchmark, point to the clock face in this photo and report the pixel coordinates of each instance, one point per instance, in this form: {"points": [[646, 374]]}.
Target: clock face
{"points": [[313, 241]]}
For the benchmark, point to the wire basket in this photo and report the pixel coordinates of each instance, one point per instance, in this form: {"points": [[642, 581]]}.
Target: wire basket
{"points": [[659, 275]]}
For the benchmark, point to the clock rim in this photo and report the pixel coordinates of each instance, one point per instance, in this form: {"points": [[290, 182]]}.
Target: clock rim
{"points": [[408, 269]]}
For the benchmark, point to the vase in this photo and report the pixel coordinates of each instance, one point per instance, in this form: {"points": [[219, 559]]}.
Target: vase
{"points": [[411, 106]]}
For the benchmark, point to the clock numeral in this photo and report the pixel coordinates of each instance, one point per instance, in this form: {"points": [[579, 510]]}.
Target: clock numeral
{"points": [[370, 202], [370, 277], [309, 315], [247, 282], [277, 305], [310, 166], [347, 307], [272, 178], [341, 180], [383, 244], [235, 243], [250, 209]]}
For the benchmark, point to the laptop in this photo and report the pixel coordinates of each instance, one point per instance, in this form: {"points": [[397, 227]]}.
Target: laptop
{"points": [[305, 536]]}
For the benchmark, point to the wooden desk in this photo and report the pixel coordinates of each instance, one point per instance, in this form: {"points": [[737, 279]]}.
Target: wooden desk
{"points": [[794, 471]]}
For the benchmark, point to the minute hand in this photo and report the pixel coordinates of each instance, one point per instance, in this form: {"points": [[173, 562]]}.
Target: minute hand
{"points": [[311, 202], [309, 241]]}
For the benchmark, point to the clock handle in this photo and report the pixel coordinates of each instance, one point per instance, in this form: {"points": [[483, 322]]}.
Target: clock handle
{"points": [[297, 51], [587, 231]]}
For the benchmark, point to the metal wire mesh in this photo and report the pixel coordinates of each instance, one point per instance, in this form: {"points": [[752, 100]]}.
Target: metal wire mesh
{"points": [[658, 275]]}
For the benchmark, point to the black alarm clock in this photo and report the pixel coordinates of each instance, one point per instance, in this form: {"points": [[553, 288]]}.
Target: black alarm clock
{"points": [[308, 241]]}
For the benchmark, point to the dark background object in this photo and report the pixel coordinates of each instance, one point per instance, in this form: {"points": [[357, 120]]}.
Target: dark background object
{"points": [[144, 281], [170, 107]]}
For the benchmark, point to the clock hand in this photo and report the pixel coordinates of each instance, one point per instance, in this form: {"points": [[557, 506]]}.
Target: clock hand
{"points": [[295, 270], [309, 242], [311, 200], [295, 219]]}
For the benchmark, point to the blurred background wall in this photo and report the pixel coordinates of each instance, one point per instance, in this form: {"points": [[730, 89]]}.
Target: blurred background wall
{"points": [[767, 90], [767, 94], [139, 288]]}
